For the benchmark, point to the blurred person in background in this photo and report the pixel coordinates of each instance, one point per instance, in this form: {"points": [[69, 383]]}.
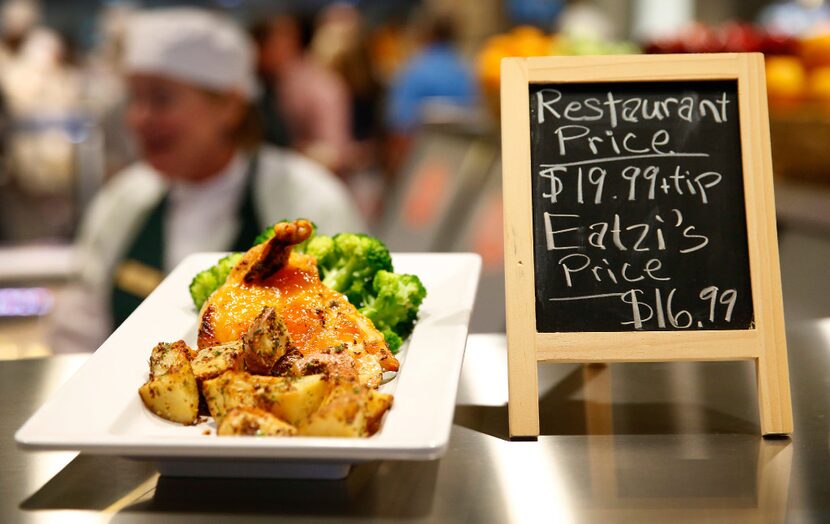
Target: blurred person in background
{"points": [[274, 126], [204, 182], [42, 88], [539, 13], [389, 47], [17, 19], [340, 44], [583, 20], [311, 99], [795, 17], [104, 87], [436, 74]]}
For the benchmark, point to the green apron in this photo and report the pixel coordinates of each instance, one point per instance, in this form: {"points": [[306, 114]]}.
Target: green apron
{"points": [[144, 260]]}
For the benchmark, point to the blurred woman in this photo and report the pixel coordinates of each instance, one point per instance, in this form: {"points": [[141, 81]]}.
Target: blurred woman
{"points": [[205, 183], [312, 99], [340, 44]]}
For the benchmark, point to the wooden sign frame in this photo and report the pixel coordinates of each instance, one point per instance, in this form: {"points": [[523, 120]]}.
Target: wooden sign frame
{"points": [[765, 344]]}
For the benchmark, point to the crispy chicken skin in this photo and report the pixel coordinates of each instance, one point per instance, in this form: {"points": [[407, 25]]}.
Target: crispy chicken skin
{"points": [[319, 320]]}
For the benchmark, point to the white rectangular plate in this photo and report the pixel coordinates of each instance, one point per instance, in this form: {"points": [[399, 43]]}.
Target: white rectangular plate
{"points": [[99, 411]]}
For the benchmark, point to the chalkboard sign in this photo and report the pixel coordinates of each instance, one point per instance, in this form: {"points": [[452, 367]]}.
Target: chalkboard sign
{"points": [[639, 219], [638, 207]]}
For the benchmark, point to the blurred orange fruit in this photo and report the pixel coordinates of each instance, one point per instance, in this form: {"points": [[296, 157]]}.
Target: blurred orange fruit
{"points": [[786, 78], [526, 31], [489, 65], [529, 41], [815, 50], [522, 41], [819, 84]]}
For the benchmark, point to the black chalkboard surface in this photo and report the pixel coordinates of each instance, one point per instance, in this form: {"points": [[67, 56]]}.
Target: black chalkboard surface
{"points": [[638, 207]]}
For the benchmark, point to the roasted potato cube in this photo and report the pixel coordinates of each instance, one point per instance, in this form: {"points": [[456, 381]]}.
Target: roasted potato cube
{"points": [[173, 396], [342, 413], [212, 361], [255, 422], [292, 399], [265, 342], [227, 391], [376, 406], [166, 358], [171, 391]]}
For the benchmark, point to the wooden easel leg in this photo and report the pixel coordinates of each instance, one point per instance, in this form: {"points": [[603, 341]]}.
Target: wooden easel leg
{"points": [[523, 386], [774, 403]]}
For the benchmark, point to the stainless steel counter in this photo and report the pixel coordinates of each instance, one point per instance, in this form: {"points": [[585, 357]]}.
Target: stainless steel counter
{"points": [[623, 443]]}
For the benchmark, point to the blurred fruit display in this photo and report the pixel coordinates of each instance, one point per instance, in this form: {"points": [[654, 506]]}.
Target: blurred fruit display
{"points": [[733, 37], [798, 88], [796, 67], [527, 41], [803, 76]]}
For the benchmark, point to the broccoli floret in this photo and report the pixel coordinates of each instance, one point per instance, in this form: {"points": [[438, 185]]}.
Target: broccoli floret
{"points": [[268, 233], [321, 247], [392, 340], [394, 302], [351, 263], [209, 280], [226, 264], [202, 285]]}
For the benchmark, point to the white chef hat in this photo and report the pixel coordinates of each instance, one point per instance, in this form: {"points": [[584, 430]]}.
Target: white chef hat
{"points": [[192, 45]]}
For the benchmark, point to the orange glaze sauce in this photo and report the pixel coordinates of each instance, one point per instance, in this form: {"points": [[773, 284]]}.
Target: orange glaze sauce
{"points": [[304, 304]]}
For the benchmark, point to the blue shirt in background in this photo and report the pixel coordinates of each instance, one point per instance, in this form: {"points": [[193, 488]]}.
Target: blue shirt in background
{"points": [[437, 73]]}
